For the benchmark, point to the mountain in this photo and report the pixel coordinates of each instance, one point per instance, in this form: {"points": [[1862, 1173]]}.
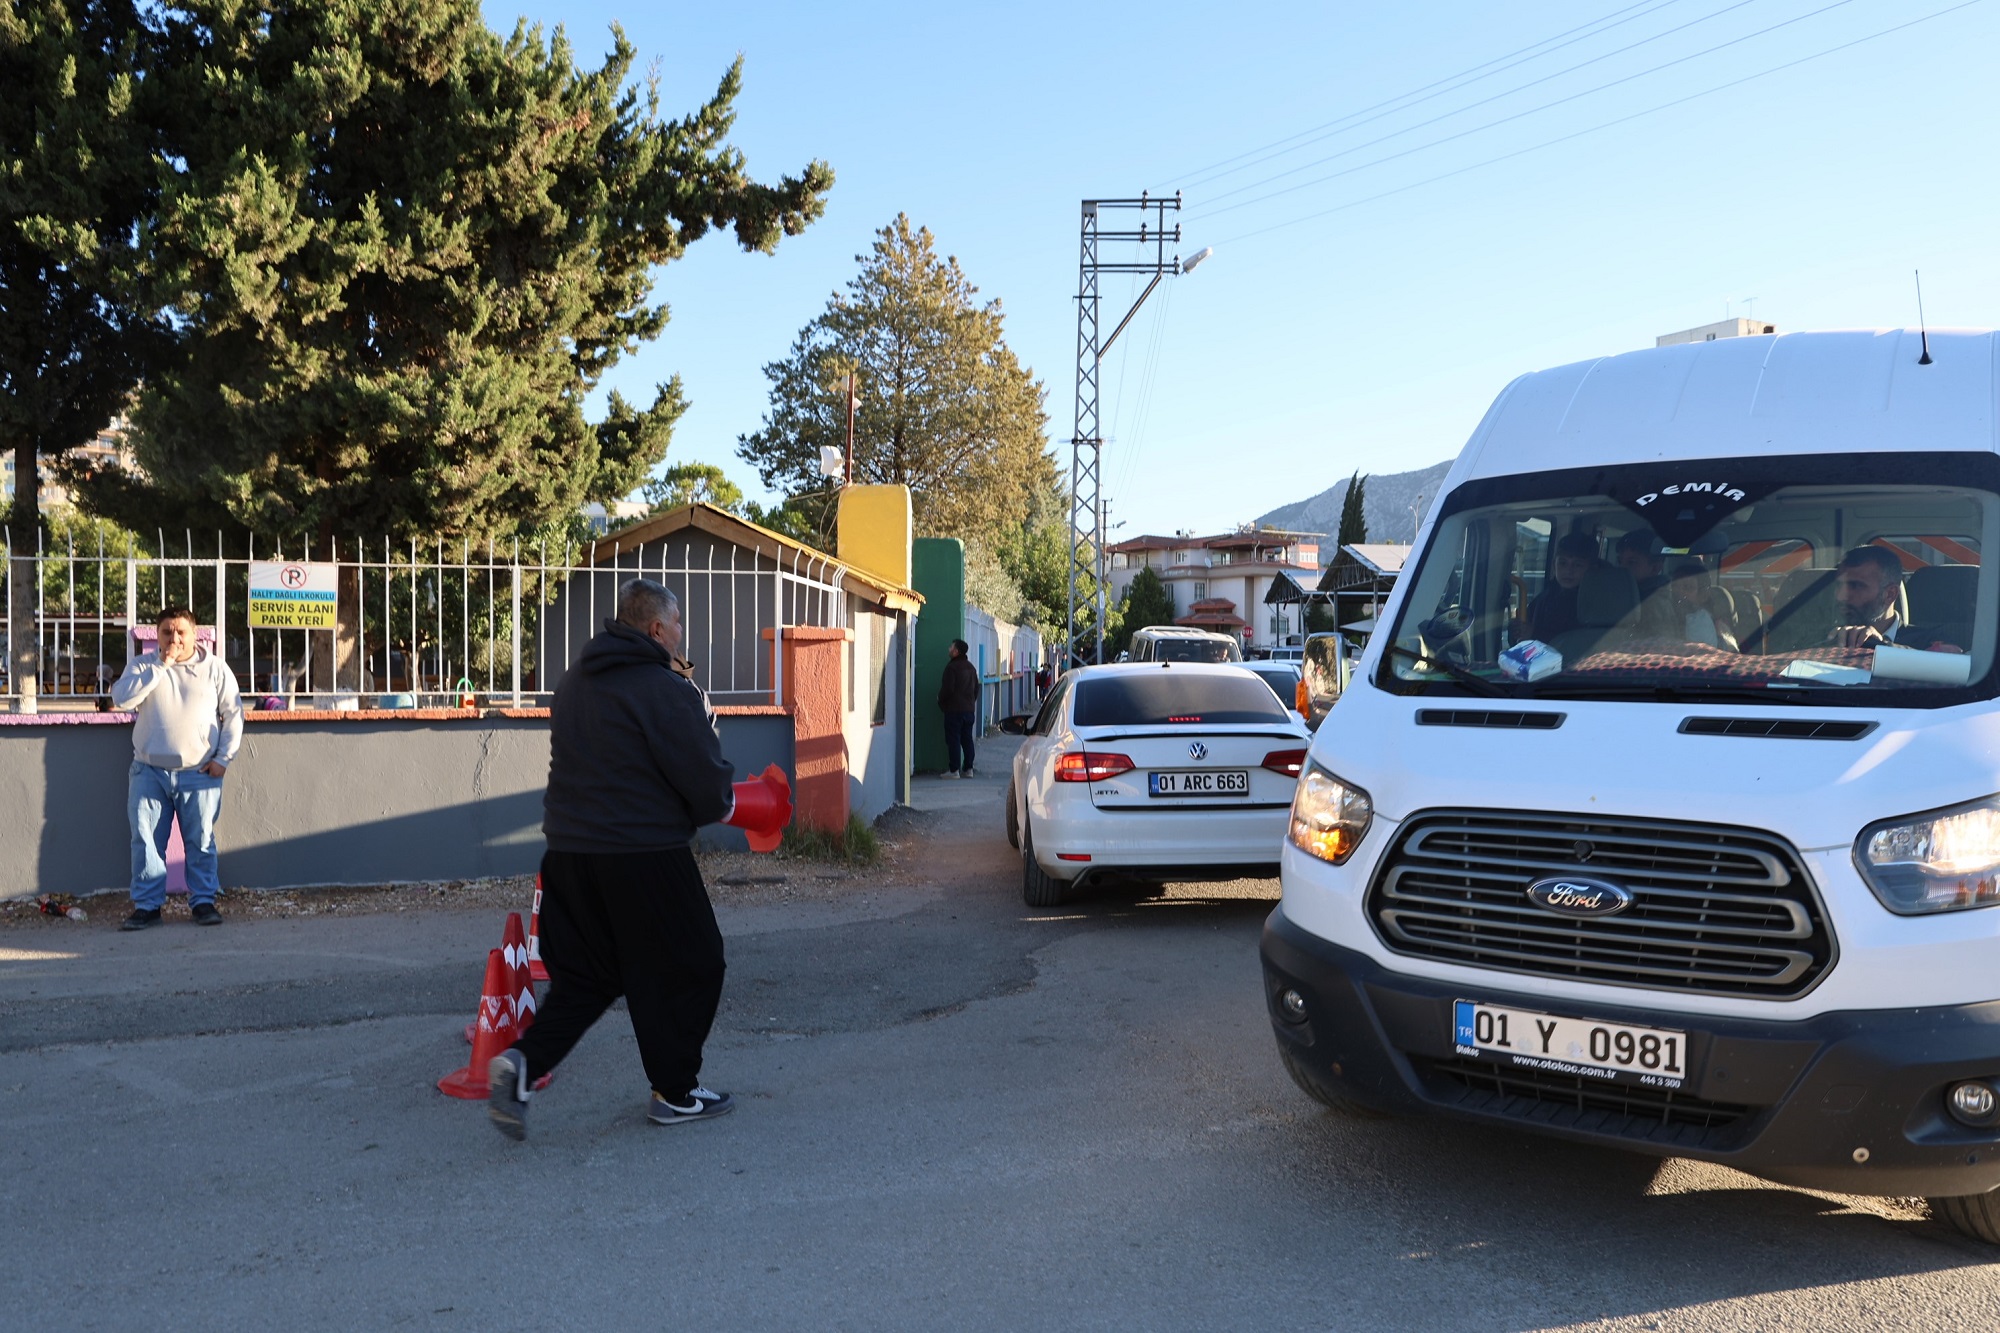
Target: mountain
{"points": [[1385, 504]]}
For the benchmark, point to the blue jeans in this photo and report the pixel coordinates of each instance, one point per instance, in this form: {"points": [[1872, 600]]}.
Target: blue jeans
{"points": [[153, 797], [958, 731]]}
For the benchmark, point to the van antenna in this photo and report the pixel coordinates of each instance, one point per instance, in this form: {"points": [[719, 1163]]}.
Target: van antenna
{"points": [[1923, 331]]}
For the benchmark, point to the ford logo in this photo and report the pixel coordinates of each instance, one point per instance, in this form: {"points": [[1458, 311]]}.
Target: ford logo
{"points": [[1576, 895]]}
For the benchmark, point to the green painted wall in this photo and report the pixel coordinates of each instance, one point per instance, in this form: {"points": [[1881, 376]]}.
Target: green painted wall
{"points": [[938, 574]]}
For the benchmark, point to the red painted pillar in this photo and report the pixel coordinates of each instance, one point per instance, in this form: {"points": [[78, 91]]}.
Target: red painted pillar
{"points": [[814, 663]]}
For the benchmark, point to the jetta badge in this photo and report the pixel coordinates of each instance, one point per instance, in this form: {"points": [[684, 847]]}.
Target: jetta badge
{"points": [[1576, 895], [1197, 751]]}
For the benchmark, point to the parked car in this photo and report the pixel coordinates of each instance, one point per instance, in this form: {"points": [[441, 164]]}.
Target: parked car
{"points": [[1571, 859], [1284, 680], [1160, 771], [1168, 643]]}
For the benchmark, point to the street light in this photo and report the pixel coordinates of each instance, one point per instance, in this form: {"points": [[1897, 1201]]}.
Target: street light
{"points": [[1188, 264]]}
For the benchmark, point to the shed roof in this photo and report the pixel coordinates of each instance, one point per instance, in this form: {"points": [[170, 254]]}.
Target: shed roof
{"points": [[728, 527]]}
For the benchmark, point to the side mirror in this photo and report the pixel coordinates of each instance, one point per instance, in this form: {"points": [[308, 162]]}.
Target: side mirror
{"points": [[1018, 724]]}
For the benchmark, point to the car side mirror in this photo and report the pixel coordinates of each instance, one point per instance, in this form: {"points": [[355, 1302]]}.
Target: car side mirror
{"points": [[1018, 724]]}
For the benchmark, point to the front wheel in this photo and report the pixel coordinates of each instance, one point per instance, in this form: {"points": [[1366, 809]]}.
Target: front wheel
{"points": [[1038, 887], [1330, 1097], [1977, 1215]]}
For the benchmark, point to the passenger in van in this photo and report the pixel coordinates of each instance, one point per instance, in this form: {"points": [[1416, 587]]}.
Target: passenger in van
{"points": [[1865, 585], [1705, 616], [1639, 554], [1553, 610]]}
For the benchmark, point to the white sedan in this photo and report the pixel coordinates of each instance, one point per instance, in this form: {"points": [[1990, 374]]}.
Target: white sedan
{"points": [[1152, 770]]}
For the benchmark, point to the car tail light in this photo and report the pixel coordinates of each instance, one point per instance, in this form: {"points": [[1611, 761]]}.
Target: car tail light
{"points": [[1086, 766], [1301, 697], [1288, 762]]}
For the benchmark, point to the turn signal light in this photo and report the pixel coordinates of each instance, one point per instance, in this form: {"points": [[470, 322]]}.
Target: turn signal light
{"points": [[1288, 762], [1089, 766]]}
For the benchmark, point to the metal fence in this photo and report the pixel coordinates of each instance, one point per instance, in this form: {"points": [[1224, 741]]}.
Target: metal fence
{"points": [[423, 624]]}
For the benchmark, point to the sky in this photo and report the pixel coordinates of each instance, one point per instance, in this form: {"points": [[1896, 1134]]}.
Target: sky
{"points": [[1410, 204]]}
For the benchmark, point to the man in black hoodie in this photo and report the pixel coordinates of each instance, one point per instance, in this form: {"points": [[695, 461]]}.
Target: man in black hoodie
{"points": [[958, 698], [635, 767]]}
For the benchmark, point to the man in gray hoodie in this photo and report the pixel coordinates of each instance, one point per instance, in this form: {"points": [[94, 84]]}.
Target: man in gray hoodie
{"points": [[187, 724]]}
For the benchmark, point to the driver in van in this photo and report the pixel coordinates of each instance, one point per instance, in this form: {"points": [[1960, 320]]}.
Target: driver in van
{"points": [[1865, 585], [1553, 610]]}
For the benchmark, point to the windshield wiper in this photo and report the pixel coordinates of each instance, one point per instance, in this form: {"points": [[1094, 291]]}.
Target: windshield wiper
{"points": [[1458, 673]]}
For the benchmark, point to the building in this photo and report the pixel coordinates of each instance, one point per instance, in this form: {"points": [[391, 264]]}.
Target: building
{"points": [[108, 448], [1224, 582], [1708, 333]]}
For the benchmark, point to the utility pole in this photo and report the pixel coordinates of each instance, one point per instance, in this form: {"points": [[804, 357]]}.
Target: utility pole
{"points": [[1086, 507]]}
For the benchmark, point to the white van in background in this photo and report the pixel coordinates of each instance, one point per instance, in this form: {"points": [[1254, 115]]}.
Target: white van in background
{"points": [[1170, 643], [1663, 811]]}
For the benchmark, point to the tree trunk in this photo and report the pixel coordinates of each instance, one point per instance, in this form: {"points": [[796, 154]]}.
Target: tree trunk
{"points": [[335, 658], [23, 641]]}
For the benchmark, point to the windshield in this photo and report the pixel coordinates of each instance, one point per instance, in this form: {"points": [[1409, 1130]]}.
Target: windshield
{"points": [[1832, 578], [1195, 650]]}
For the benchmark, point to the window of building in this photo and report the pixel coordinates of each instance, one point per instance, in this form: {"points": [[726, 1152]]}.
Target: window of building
{"points": [[1200, 590]]}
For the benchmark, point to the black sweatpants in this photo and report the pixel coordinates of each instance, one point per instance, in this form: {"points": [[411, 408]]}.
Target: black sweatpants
{"points": [[634, 924]]}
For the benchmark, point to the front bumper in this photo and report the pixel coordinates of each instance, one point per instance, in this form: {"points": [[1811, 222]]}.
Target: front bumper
{"points": [[1849, 1102]]}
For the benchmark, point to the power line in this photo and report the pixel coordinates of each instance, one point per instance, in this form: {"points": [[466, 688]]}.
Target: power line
{"points": [[1621, 120], [1334, 128], [1471, 106], [1504, 120], [1276, 143]]}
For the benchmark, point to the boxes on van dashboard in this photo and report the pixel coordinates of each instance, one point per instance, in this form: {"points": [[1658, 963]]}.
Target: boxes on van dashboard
{"points": [[1662, 810]]}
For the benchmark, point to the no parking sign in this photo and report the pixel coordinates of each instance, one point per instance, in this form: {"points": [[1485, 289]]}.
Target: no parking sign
{"points": [[291, 594]]}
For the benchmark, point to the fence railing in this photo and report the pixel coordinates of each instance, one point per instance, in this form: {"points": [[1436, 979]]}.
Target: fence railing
{"points": [[421, 624]]}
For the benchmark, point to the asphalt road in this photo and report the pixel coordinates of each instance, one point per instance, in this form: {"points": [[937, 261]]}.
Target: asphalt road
{"points": [[954, 1113]]}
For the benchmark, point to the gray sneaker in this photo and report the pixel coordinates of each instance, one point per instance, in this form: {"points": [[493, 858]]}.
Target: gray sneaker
{"points": [[701, 1104], [507, 1093]]}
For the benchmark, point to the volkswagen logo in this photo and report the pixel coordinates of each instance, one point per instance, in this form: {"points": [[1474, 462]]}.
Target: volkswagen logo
{"points": [[1578, 895], [1197, 751]]}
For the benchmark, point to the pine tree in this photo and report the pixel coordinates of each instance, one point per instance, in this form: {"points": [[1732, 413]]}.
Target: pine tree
{"points": [[76, 181], [403, 253], [945, 407], [1147, 601]]}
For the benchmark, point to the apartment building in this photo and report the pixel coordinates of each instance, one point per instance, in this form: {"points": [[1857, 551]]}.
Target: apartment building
{"points": [[1222, 582], [107, 447]]}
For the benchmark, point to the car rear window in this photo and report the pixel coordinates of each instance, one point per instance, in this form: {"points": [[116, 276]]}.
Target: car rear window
{"points": [[1193, 650], [1164, 697], [1283, 682]]}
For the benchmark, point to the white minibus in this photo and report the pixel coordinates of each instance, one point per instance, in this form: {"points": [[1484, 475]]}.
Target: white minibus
{"points": [[1663, 810]]}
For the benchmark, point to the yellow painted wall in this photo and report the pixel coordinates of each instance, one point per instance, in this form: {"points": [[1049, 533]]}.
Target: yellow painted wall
{"points": [[874, 531]]}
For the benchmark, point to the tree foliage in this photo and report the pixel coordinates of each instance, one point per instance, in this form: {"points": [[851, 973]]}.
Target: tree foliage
{"points": [[1353, 523], [401, 252], [693, 483], [76, 181], [946, 409]]}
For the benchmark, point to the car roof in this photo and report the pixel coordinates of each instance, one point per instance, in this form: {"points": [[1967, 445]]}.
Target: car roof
{"points": [[1179, 632], [1135, 668]]}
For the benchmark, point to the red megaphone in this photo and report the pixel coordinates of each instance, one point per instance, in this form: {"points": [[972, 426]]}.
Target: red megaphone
{"points": [[763, 808]]}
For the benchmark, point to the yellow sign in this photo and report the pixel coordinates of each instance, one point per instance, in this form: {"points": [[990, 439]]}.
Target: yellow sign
{"points": [[292, 594]]}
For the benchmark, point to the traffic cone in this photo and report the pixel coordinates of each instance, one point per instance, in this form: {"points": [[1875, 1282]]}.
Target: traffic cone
{"points": [[520, 985], [763, 808], [495, 1034], [536, 972]]}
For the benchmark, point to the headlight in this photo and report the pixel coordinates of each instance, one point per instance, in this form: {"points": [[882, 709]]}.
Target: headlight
{"points": [[1946, 861], [1329, 817]]}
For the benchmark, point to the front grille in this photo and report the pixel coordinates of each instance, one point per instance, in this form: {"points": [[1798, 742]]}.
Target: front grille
{"points": [[1715, 911], [1567, 1101]]}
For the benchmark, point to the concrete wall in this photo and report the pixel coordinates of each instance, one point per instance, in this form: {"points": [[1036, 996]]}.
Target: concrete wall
{"points": [[355, 801], [877, 753]]}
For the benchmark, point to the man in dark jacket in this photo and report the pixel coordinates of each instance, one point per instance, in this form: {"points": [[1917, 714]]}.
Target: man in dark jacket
{"points": [[635, 767], [958, 696]]}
